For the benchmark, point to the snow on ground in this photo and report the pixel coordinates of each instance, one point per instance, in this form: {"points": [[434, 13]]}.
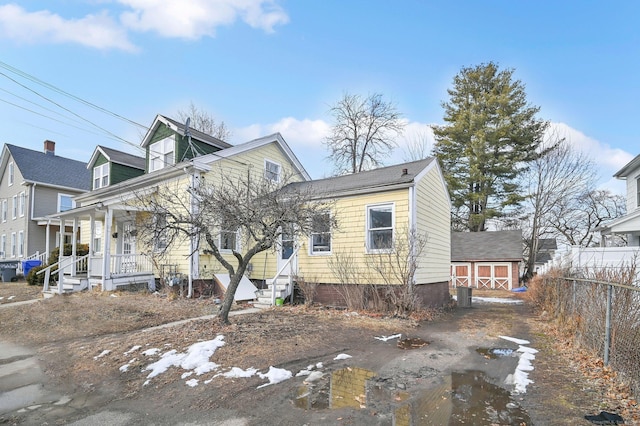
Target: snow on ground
{"points": [[478, 299], [385, 338], [520, 377], [196, 360]]}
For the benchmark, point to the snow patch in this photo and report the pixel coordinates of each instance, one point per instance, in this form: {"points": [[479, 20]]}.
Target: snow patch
{"points": [[342, 356], [385, 338], [133, 349], [236, 372], [103, 353], [275, 375]]}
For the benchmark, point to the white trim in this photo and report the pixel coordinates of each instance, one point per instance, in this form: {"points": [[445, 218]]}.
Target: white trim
{"points": [[492, 281], [99, 174], [13, 244], [73, 203], [20, 244], [14, 207], [268, 172], [22, 203], [12, 173], [368, 208], [460, 280], [321, 253], [5, 210], [158, 158]]}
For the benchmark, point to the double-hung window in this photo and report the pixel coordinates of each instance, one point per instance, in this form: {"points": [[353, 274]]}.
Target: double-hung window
{"points": [[101, 176], [380, 219], [11, 173], [3, 246], [638, 192], [321, 234], [14, 207], [65, 202], [160, 236], [20, 243], [97, 237], [13, 244], [228, 238], [5, 210], [272, 171], [22, 201], [161, 154]]}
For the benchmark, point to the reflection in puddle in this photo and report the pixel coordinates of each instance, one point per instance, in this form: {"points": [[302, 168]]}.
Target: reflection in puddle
{"points": [[461, 398], [495, 353]]}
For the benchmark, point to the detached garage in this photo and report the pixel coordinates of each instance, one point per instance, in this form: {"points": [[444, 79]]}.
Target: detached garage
{"points": [[489, 260]]}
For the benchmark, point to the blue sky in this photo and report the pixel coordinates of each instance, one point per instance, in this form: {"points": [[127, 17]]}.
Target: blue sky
{"points": [[266, 66]]}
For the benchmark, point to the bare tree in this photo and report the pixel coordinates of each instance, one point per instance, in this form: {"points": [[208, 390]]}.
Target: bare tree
{"points": [[204, 122], [208, 215], [577, 219], [558, 175], [419, 145], [363, 132]]}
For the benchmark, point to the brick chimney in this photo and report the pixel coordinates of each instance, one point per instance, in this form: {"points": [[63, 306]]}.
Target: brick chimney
{"points": [[49, 147]]}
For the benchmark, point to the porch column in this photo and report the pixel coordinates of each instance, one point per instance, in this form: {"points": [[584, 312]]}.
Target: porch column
{"points": [[47, 240], [74, 246], [106, 246], [60, 256]]}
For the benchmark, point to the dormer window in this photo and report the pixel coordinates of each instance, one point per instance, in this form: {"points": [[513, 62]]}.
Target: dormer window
{"points": [[101, 176], [161, 154], [11, 177]]}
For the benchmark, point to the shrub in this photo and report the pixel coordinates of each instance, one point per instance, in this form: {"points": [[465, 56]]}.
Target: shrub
{"points": [[33, 279]]}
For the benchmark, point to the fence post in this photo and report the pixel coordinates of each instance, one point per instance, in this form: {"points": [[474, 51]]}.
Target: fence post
{"points": [[607, 331], [573, 305]]}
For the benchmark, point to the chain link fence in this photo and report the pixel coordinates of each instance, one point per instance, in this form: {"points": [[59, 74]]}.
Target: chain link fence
{"points": [[603, 312]]}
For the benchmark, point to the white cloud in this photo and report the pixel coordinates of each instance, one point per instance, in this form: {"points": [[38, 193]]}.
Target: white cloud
{"points": [[199, 18], [95, 30], [299, 133]]}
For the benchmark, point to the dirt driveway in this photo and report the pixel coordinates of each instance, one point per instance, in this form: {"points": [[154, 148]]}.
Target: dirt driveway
{"points": [[452, 370]]}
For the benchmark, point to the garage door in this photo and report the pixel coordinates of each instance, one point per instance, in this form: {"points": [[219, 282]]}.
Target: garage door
{"points": [[461, 275], [493, 275]]}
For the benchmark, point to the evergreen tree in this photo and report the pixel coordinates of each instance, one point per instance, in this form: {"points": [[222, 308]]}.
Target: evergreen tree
{"points": [[491, 134]]}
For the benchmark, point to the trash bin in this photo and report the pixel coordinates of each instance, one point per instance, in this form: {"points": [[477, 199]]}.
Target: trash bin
{"points": [[8, 270], [27, 265], [464, 297]]}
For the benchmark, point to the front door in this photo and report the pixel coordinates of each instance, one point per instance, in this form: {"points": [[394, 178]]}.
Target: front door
{"points": [[128, 264], [287, 243]]}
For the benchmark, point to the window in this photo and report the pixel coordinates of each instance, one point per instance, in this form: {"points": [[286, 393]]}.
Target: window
{"points": [[20, 244], [160, 232], [228, 238], [380, 227], [11, 173], [14, 207], [321, 234], [97, 237], [3, 246], [272, 171], [638, 192], [4, 210], [65, 202], [21, 203], [13, 244], [161, 154], [101, 176]]}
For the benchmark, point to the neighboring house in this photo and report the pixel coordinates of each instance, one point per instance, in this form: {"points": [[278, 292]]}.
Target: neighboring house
{"points": [[109, 167], [33, 186], [175, 157], [629, 224], [546, 251], [486, 259], [374, 210]]}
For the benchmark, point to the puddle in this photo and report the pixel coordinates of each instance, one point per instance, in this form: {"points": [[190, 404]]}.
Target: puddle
{"points": [[461, 398], [495, 353], [413, 343]]}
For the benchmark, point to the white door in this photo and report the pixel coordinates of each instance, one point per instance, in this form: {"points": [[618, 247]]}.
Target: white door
{"points": [[128, 263], [285, 251]]}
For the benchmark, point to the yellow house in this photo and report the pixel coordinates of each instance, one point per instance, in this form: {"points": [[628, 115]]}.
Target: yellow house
{"points": [[386, 219], [107, 220]]}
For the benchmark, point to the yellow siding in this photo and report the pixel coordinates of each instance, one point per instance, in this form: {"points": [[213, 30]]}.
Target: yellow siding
{"points": [[264, 264], [350, 237], [433, 218]]}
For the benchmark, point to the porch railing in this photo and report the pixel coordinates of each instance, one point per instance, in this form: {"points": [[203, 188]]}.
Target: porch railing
{"points": [[65, 265], [122, 264]]}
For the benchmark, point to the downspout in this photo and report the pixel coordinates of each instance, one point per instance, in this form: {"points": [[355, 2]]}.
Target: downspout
{"points": [[412, 227]]}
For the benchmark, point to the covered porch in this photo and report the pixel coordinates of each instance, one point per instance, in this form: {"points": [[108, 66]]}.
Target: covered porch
{"points": [[108, 259]]}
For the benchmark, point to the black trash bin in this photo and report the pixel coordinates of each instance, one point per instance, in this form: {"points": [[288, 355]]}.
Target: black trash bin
{"points": [[464, 297], [8, 270]]}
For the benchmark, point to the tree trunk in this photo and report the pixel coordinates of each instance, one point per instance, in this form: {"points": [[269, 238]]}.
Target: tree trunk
{"points": [[223, 315]]}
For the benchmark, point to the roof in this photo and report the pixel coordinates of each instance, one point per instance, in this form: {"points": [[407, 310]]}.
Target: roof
{"points": [[119, 157], [547, 244], [196, 134], [49, 169], [486, 246], [627, 168], [372, 180]]}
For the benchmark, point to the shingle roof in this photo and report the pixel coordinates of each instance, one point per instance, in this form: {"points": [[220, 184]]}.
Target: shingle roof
{"points": [[50, 169], [124, 158], [480, 246], [546, 244], [372, 179]]}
